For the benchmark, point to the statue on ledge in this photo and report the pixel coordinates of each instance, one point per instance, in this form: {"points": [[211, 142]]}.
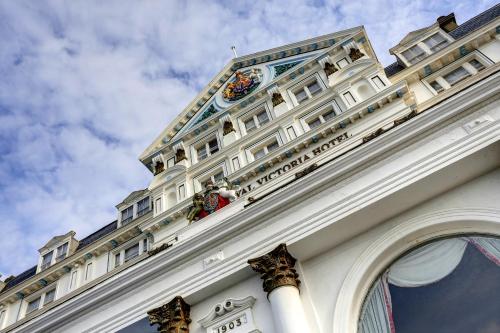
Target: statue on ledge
{"points": [[212, 199]]}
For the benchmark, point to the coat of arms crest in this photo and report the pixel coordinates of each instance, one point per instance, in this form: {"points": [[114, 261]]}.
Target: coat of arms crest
{"points": [[243, 84]]}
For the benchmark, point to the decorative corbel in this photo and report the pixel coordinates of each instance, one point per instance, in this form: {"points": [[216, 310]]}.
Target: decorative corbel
{"points": [[227, 124], [328, 67], [173, 317], [276, 269], [275, 94], [158, 164], [352, 49], [180, 152]]}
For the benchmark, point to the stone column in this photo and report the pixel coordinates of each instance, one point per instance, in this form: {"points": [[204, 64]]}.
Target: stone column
{"points": [[282, 286], [172, 317]]}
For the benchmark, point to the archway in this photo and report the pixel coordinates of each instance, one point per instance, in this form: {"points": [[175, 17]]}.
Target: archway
{"points": [[398, 241]]}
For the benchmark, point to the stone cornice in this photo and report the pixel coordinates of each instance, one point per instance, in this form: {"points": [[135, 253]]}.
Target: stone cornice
{"points": [[253, 215]]}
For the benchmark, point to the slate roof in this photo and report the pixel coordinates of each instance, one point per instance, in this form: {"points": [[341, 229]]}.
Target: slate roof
{"points": [[462, 30], [107, 229], [20, 278]]}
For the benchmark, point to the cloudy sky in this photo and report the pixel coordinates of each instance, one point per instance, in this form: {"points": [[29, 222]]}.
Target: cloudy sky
{"points": [[85, 86]]}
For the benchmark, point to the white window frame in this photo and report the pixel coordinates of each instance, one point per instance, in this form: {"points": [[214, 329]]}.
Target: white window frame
{"points": [[303, 86], [143, 211], [236, 163], [417, 58], [291, 132], [199, 179], [170, 162], [73, 284], [343, 62], [205, 142], [462, 62], [262, 144], [181, 192], [447, 42], [348, 103], [3, 316], [252, 114], [44, 303], [40, 294], [31, 300], [89, 271], [377, 86], [318, 114], [44, 266], [120, 250], [129, 218]]}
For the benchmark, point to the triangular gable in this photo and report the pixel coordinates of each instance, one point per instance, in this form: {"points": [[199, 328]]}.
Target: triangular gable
{"points": [[56, 240], [204, 99]]}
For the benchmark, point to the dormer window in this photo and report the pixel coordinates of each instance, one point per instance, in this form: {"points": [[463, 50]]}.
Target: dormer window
{"points": [[436, 42], [142, 206], [127, 214], [47, 260], [414, 54], [62, 251]]}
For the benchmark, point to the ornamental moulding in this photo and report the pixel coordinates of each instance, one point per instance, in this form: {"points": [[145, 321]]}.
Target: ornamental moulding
{"points": [[173, 317], [276, 269]]}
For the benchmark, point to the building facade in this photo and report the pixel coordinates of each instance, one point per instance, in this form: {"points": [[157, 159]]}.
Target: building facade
{"points": [[306, 189]]}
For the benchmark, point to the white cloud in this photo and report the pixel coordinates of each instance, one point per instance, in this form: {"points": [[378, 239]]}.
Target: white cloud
{"points": [[86, 86]]}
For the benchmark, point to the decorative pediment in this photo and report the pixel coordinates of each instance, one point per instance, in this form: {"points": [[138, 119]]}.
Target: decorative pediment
{"points": [[57, 240], [132, 197], [231, 315], [268, 66]]}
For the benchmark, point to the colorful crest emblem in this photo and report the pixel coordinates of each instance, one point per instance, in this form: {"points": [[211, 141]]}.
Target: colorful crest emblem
{"points": [[243, 84], [211, 202]]}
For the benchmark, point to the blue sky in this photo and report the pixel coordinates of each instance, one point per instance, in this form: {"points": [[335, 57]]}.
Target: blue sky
{"points": [[85, 86]]}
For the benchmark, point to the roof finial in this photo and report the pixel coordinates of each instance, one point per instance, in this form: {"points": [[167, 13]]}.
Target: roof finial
{"points": [[234, 51]]}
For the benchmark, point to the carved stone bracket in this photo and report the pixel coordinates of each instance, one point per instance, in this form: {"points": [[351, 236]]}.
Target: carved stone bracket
{"points": [[158, 164], [173, 317], [276, 269], [180, 152], [275, 94]]}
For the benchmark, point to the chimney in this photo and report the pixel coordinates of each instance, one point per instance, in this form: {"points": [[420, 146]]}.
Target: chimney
{"points": [[447, 23]]}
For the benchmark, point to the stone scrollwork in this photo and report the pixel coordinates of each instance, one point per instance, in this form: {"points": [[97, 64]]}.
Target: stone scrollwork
{"points": [[228, 127], [173, 317], [180, 155], [276, 269]]}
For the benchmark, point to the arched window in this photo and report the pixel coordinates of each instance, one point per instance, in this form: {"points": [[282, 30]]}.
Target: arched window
{"points": [[448, 285]]}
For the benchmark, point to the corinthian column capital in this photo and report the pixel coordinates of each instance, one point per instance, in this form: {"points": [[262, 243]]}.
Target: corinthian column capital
{"points": [[172, 317], [276, 269]]}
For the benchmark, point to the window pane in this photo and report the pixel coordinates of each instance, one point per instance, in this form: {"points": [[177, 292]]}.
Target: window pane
{"points": [[88, 271], [414, 54], [127, 214], [117, 259], [342, 63], [262, 118], [436, 86], [49, 297], [314, 123], [477, 65], [131, 252], [213, 145], [218, 176], [314, 88], [436, 42], [274, 145], [170, 162], [236, 163], [47, 259], [349, 98], [291, 132], [259, 153], [202, 153], [33, 305], [250, 125], [300, 96], [329, 115], [142, 206], [456, 76], [378, 82]]}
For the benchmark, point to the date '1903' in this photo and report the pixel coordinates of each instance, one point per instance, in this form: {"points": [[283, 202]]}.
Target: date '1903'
{"points": [[229, 326]]}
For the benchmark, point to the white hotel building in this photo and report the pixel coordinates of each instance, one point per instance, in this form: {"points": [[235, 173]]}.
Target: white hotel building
{"points": [[326, 194]]}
